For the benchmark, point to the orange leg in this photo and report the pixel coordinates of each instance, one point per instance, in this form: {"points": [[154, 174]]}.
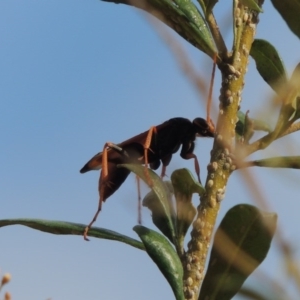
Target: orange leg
{"points": [[197, 166], [139, 200], [103, 175], [146, 149], [163, 172], [149, 181]]}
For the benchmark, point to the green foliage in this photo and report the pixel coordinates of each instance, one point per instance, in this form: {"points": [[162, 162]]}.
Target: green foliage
{"points": [[162, 194], [251, 240], [253, 4], [68, 228], [164, 256], [183, 17], [247, 234], [159, 217], [246, 126], [269, 64], [185, 186], [290, 162], [289, 11], [244, 237]]}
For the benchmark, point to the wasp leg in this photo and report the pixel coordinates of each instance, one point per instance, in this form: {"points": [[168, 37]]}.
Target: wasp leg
{"points": [[138, 182], [104, 179], [149, 181], [101, 199], [107, 186], [113, 146], [187, 153], [147, 148], [197, 166], [93, 220], [165, 162], [107, 146]]}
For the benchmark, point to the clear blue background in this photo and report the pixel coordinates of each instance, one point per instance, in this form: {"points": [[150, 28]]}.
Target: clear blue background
{"points": [[75, 74]]}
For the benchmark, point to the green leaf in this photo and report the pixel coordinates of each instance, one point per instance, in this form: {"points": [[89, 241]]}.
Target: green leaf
{"points": [[159, 217], [289, 111], [203, 4], [295, 84], [184, 183], [292, 162], [259, 125], [182, 16], [160, 190], [185, 186], [269, 64], [241, 243], [165, 257], [240, 124], [252, 4], [245, 126], [289, 11], [68, 228]]}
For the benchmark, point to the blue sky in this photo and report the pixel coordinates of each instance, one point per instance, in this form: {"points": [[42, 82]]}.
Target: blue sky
{"points": [[75, 74]]}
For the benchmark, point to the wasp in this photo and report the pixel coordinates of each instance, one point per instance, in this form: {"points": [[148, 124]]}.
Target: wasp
{"points": [[150, 148]]}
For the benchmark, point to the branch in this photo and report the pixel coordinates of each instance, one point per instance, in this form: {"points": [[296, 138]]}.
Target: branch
{"points": [[265, 141], [233, 72]]}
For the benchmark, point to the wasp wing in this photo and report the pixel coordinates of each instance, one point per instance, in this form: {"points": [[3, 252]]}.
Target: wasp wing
{"points": [[95, 163]]}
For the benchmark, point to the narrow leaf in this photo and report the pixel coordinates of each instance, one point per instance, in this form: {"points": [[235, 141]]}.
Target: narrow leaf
{"points": [[252, 4], [159, 188], [196, 18], [159, 217], [203, 4], [289, 11], [68, 228], [241, 243], [289, 111], [245, 127], [259, 125], [295, 84], [180, 19], [292, 162], [243, 123], [185, 186], [269, 64], [164, 256]]}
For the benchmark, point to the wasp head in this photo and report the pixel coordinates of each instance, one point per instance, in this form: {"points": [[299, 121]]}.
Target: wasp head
{"points": [[203, 128]]}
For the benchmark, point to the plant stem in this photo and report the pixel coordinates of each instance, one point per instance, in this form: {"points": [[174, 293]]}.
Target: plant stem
{"points": [[233, 70]]}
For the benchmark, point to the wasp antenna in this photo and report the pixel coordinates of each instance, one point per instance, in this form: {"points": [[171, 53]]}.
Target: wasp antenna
{"points": [[211, 85]]}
